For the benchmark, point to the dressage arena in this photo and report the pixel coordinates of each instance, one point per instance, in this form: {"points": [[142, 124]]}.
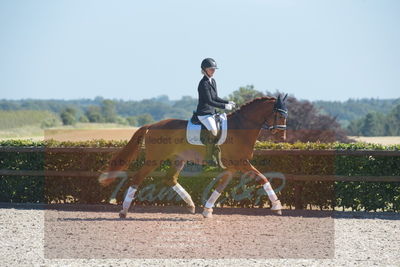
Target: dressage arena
{"points": [[77, 235]]}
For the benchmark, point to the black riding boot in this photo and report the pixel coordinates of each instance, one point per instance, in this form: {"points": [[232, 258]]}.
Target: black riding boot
{"points": [[213, 151]]}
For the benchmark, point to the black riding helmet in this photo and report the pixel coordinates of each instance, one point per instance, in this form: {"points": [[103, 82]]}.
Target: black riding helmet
{"points": [[208, 63]]}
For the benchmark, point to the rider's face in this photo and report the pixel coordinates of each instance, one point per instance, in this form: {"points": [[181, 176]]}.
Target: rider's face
{"points": [[210, 72]]}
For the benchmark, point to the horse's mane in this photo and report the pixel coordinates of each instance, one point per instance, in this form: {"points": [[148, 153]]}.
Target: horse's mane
{"points": [[249, 103]]}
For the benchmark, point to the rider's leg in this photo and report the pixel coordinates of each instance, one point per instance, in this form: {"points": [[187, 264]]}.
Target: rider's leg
{"points": [[209, 139], [209, 122]]}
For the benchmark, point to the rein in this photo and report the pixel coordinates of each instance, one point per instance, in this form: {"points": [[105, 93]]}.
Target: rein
{"points": [[265, 125]]}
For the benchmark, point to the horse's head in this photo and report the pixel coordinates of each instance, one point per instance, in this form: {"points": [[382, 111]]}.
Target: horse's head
{"points": [[264, 112], [277, 122]]}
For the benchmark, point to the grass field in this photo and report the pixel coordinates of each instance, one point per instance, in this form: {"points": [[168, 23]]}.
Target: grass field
{"points": [[382, 140], [78, 132], [26, 123], [101, 131], [14, 119]]}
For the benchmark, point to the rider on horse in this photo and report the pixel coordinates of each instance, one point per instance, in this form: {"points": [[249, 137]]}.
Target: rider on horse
{"points": [[206, 109]]}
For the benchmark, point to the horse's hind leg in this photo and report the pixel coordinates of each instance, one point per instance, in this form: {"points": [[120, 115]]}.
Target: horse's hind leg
{"points": [[171, 179], [137, 180]]}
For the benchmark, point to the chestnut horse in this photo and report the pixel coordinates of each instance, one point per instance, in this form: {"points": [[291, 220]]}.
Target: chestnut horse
{"points": [[166, 140]]}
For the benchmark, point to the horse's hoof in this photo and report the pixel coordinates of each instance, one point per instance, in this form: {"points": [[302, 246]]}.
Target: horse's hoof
{"points": [[191, 209], [277, 207], [277, 212], [122, 214], [207, 213]]}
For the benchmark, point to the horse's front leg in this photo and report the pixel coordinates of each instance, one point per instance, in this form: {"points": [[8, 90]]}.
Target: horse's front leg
{"points": [[171, 179], [222, 183], [276, 203]]}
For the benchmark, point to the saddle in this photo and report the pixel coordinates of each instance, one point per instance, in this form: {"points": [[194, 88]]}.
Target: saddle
{"points": [[195, 120], [195, 129]]}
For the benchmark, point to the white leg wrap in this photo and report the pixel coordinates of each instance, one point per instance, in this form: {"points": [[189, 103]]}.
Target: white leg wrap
{"points": [[128, 199], [183, 194], [211, 201], [270, 192]]}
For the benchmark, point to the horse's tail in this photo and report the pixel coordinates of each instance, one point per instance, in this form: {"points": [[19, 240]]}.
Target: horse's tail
{"points": [[124, 157]]}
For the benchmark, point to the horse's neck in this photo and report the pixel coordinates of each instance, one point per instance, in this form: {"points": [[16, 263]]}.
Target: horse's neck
{"points": [[250, 118]]}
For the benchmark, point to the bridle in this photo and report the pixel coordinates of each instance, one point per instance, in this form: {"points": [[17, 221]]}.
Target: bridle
{"points": [[276, 111], [279, 108]]}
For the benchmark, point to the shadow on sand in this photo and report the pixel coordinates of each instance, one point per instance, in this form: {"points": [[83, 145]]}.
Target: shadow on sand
{"points": [[217, 211]]}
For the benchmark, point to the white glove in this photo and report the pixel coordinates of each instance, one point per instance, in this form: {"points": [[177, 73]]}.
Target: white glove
{"points": [[232, 103], [228, 106]]}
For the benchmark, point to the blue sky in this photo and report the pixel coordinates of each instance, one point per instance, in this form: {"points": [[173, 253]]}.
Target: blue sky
{"points": [[326, 50]]}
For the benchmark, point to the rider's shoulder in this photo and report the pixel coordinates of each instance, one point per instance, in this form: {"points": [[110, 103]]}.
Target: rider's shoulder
{"points": [[204, 79], [203, 82]]}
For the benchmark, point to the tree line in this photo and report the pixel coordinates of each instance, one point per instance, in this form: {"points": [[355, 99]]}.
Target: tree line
{"points": [[317, 119], [100, 110], [347, 112], [377, 124]]}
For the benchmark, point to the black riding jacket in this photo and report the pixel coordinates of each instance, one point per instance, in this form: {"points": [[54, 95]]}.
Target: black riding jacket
{"points": [[208, 97]]}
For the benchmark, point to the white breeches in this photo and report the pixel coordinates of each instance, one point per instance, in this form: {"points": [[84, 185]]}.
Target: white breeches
{"points": [[209, 122]]}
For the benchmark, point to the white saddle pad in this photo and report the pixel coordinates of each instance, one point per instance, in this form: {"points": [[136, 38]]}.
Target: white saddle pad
{"points": [[193, 132]]}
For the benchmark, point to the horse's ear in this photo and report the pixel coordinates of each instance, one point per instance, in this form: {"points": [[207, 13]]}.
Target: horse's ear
{"points": [[284, 98], [279, 98]]}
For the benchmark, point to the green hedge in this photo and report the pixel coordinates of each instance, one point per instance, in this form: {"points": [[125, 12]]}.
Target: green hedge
{"points": [[242, 192]]}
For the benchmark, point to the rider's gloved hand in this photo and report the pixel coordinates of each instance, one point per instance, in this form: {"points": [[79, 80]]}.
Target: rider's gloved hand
{"points": [[228, 106], [232, 103]]}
